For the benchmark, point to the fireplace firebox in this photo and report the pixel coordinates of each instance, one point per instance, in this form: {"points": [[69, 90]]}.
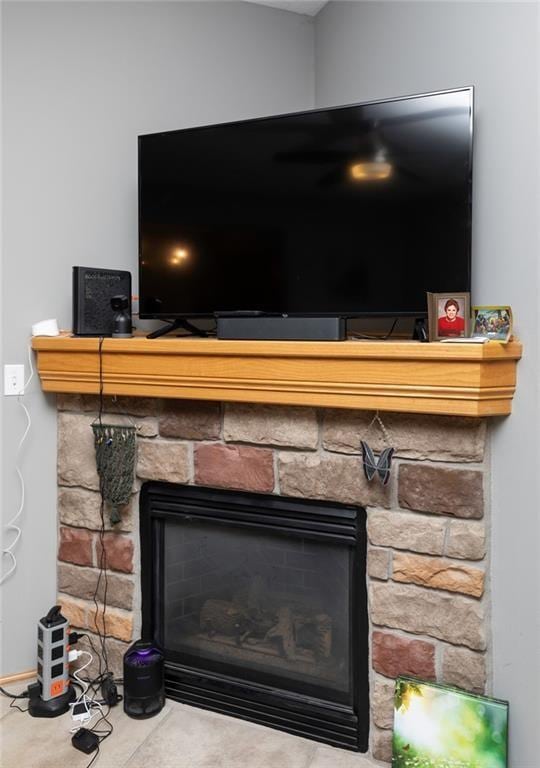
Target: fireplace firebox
{"points": [[259, 604]]}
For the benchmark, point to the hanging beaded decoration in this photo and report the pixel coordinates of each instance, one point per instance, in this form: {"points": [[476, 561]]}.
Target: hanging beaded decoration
{"points": [[372, 464], [115, 460]]}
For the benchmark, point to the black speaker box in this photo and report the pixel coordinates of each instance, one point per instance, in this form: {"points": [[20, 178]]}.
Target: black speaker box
{"points": [[93, 290]]}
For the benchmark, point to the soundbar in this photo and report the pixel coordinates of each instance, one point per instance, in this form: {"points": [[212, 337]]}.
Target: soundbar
{"points": [[282, 328]]}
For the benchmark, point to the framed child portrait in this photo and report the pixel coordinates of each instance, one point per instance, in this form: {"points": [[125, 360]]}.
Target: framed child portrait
{"points": [[449, 315]]}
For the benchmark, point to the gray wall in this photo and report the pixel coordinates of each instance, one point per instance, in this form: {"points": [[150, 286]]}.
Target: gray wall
{"points": [[376, 49], [80, 82]]}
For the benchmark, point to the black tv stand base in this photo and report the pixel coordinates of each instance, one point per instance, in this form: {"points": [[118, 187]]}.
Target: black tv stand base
{"points": [[282, 328], [174, 326]]}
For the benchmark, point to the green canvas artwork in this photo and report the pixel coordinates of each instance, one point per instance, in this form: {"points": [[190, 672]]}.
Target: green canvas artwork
{"points": [[436, 726]]}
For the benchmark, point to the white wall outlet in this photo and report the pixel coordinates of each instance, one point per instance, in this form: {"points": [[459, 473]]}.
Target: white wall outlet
{"points": [[13, 379]]}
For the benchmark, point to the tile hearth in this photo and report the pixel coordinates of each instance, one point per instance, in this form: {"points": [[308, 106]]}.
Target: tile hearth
{"points": [[179, 737]]}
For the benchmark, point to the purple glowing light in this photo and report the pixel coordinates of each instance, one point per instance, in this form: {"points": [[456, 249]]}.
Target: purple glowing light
{"points": [[142, 657]]}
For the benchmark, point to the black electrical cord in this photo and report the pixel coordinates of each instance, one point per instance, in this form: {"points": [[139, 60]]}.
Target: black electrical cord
{"points": [[14, 695], [74, 637], [102, 630], [94, 758], [103, 554], [357, 335], [100, 349], [76, 684], [15, 706], [96, 684], [101, 734]]}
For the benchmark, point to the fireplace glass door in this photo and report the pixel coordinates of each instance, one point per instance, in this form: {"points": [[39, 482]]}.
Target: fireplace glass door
{"points": [[264, 606], [259, 604]]}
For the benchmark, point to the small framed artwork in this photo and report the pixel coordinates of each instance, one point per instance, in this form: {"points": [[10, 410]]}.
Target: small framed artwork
{"points": [[437, 726], [493, 323], [448, 315]]}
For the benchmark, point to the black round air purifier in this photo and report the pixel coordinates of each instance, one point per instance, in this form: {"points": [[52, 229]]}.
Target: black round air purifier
{"points": [[144, 687]]}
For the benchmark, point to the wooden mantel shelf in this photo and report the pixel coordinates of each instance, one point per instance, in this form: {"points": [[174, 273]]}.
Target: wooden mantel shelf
{"points": [[406, 376]]}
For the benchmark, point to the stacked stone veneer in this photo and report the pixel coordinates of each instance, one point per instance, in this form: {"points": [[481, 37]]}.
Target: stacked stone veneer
{"points": [[427, 567]]}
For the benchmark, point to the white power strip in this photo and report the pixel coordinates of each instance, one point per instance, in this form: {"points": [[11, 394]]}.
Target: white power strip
{"points": [[80, 712]]}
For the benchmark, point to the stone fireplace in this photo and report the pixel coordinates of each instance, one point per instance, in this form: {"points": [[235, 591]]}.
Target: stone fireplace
{"points": [[426, 530]]}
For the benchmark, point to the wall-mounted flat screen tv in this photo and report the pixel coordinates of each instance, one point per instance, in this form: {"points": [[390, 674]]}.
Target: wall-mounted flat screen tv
{"points": [[349, 211]]}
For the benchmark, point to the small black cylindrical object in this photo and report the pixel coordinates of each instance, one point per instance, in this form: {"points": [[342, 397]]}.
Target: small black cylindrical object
{"points": [[144, 686], [122, 328]]}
